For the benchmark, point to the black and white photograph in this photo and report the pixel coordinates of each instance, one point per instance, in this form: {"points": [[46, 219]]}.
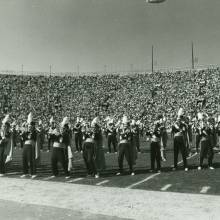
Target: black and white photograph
{"points": [[109, 109]]}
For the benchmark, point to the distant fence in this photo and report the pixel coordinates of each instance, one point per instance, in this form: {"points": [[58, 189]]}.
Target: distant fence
{"points": [[124, 72]]}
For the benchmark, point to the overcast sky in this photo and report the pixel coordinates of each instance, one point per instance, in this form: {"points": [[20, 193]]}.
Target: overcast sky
{"points": [[92, 33]]}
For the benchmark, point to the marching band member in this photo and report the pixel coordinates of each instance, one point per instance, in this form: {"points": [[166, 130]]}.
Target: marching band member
{"points": [[125, 146], [29, 136], [61, 141], [179, 129], [135, 135], [5, 141], [188, 136], [89, 153], [205, 143], [111, 135], [196, 132], [156, 144], [77, 129], [52, 128], [164, 138], [97, 132]]}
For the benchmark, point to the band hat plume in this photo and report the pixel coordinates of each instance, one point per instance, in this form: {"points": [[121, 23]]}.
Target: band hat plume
{"points": [[30, 118], [6, 119], [51, 120], [65, 121], [200, 116], [40, 122], [125, 120], [180, 112], [78, 119], [133, 122], [95, 121], [81, 120]]}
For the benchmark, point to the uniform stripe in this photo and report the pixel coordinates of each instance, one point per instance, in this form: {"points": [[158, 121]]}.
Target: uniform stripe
{"points": [[166, 187], [101, 183], [74, 180], [142, 181], [205, 189]]}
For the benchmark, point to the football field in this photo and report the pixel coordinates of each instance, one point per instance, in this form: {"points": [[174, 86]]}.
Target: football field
{"points": [[171, 195]]}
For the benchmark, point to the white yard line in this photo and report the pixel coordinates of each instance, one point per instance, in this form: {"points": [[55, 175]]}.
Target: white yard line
{"points": [[205, 189], [101, 183], [187, 158], [142, 181], [166, 187], [74, 180]]}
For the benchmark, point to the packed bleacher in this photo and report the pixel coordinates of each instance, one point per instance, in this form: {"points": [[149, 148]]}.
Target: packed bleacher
{"points": [[141, 96]]}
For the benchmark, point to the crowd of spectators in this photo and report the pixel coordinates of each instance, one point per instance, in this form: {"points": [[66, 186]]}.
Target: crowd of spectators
{"points": [[142, 96]]}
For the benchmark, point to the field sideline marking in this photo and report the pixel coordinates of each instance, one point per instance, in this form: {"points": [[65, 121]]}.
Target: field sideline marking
{"points": [[166, 187], [74, 180], [205, 189], [101, 183], [142, 181]]}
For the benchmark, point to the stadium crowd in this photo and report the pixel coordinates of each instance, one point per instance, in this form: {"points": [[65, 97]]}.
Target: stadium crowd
{"points": [[141, 96]]}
